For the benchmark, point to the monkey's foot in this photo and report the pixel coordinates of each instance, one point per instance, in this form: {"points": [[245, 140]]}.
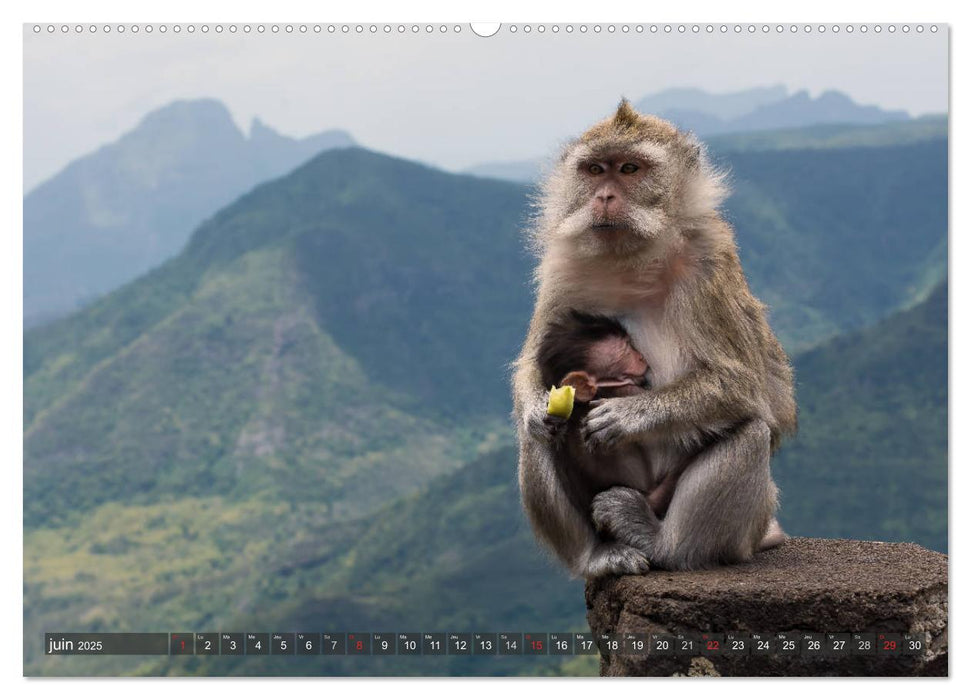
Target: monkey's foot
{"points": [[623, 514], [774, 536], [615, 559]]}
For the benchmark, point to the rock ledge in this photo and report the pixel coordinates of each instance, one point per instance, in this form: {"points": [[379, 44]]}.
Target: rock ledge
{"points": [[805, 586]]}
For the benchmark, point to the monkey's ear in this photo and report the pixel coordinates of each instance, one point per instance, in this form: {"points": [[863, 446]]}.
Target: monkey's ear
{"points": [[584, 385]]}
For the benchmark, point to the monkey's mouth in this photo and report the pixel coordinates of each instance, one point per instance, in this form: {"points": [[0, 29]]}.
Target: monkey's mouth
{"points": [[608, 227]]}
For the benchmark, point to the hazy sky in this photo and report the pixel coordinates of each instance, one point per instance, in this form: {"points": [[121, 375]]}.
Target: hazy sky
{"points": [[452, 99]]}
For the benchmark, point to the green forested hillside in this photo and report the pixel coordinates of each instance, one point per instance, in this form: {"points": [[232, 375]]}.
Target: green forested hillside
{"points": [[285, 350], [897, 133], [870, 462], [236, 390], [831, 238], [835, 239], [394, 258], [871, 458], [456, 556]]}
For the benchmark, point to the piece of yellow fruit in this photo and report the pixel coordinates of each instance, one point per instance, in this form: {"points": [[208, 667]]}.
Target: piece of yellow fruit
{"points": [[561, 401]]}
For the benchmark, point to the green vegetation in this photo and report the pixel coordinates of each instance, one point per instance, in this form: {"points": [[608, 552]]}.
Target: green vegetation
{"points": [[268, 431], [870, 461], [236, 391], [834, 136], [834, 240], [455, 556]]}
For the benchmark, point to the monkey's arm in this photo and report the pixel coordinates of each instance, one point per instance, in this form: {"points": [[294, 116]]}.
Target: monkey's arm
{"points": [[552, 504], [704, 401], [781, 394], [529, 394], [529, 404], [739, 370]]}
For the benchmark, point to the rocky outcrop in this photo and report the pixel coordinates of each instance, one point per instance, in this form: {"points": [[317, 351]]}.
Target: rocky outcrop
{"points": [[808, 608]]}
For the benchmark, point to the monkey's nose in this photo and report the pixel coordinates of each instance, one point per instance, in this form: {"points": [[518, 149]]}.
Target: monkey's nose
{"points": [[605, 203]]}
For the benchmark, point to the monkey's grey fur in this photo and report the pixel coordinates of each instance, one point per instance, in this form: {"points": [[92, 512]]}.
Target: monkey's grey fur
{"points": [[721, 396]]}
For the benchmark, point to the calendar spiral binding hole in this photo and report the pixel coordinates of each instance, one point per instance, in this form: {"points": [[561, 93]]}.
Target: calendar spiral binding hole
{"points": [[527, 29]]}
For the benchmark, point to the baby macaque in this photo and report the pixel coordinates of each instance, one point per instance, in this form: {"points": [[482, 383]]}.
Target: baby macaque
{"points": [[594, 355]]}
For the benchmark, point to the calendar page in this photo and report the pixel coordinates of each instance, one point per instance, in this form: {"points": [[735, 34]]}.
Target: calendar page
{"points": [[295, 295]]}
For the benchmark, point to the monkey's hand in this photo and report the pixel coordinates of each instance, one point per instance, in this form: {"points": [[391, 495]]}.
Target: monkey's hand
{"points": [[612, 422], [543, 427]]}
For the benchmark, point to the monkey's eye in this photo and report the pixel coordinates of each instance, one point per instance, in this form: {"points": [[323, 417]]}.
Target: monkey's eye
{"points": [[628, 168], [595, 169]]}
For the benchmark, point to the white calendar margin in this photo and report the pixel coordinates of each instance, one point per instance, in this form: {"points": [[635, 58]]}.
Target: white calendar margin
{"points": [[927, 11]]}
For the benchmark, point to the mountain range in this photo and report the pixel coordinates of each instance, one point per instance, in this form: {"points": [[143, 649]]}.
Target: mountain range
{"points": [[301, 419], [319, 320], [123, 209], [722, 106], [416, 283], [771, 115], [760, 110], [127, 207]]}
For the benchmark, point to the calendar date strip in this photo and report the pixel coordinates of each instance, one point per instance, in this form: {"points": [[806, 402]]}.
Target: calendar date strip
{"points": [[822, 644]]}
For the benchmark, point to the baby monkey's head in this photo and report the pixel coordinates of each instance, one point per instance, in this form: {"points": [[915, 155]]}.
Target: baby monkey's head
{"points": [[594, 355]]}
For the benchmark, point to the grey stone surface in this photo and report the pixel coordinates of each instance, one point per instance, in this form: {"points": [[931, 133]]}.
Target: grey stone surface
{"points": [[806, 585]]}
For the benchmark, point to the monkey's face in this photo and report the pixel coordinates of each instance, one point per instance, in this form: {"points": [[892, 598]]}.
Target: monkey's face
{"points": [[620, 189], [618, 368], [624, 184], [616, 197], [613, 368]]}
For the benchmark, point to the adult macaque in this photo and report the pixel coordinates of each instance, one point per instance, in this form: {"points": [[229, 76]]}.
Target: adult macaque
{"points": [[628, 227]]}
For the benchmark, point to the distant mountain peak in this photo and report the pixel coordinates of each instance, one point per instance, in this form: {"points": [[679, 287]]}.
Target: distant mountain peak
{"points": [[258, 131], [722, 105], [834, 95], [761, 109], [197, 105], [203, 113], [122, 209]]}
